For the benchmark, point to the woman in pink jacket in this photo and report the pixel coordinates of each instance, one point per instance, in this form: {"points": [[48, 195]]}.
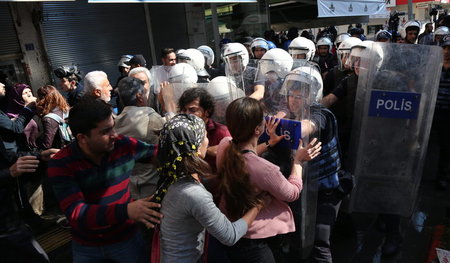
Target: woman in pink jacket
{"points": [[243, 175]]}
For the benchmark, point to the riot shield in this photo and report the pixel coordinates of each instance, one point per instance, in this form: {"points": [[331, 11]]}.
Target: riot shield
{"points": [[253, 62], [303, 88], [396, 94], [159, 75], [234, 71], [223, 93], [297, 94], [172, 92], [271, 73], [181, 77], [240, 76]]}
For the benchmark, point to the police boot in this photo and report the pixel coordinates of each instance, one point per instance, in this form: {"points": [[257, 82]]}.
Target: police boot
{"points": [[391, 245]]}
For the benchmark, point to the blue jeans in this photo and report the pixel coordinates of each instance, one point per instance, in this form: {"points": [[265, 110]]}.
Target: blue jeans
{"points": [[135, 249]]}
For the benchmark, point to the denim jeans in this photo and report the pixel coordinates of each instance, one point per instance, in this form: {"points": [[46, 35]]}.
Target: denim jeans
{"points": [[135, 249]]}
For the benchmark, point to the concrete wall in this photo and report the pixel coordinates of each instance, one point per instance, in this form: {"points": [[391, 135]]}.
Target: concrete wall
{"points": [[27, 22], [195, 22]]}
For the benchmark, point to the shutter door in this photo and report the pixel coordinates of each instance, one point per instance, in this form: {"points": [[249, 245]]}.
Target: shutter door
{"points": [[9, 43], [94, 36]]}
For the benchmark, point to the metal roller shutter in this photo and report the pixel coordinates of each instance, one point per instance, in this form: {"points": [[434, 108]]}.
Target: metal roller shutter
{"points": [[9, 44], [94, 36]]}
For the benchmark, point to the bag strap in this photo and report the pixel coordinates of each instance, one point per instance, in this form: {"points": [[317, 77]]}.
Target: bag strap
{"points": [[55, 117]]}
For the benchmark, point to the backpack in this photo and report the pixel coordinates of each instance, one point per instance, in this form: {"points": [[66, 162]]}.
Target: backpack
{"points": [[64, 129]]}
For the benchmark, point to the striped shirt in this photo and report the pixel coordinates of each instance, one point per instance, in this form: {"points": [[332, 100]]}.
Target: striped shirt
{"points": [[95, 197]]}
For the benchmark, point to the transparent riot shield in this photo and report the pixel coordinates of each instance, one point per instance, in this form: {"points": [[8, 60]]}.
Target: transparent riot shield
{"points": [[296, 98], [396, 94], [181, 78], [303, 89], [159, 75], [240, 76], [253, 63], [234, 71], [271, 73], [171, 93], [223, 93], [300, 63]]}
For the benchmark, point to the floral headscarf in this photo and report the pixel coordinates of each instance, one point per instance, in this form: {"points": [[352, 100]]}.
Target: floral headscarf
{"points": [[181, 136]]}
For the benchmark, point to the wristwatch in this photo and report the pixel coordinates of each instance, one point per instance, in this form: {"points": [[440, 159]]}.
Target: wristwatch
{"points": [[268, 145]]}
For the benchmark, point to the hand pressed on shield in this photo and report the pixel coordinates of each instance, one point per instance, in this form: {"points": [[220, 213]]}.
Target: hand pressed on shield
{"points": [[271, 126], [24, 164], [142, 210], [167, 96], [309, 152]]}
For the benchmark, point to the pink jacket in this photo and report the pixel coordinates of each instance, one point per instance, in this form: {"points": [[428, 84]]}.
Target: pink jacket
{"points": [[276, 218]]}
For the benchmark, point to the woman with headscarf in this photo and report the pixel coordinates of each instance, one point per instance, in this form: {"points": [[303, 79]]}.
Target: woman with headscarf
{"points": [[188, 208], [244, 175], [18, 96], [53, 110]]}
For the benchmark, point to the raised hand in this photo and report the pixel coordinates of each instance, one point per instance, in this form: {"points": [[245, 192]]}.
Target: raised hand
{"points": [[311, 151]]}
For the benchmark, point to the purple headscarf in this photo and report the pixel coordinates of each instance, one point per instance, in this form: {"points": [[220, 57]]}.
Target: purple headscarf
{"points": [[15, 104], [14, 100]]}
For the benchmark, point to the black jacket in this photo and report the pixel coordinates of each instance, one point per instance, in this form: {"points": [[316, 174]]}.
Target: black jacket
{"points": [[9, 216]]}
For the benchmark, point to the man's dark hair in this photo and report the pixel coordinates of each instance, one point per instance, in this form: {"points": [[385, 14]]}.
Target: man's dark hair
{"points": [[166, 51], [292, 33], [206, 101], [128, 88], [87, 113]]}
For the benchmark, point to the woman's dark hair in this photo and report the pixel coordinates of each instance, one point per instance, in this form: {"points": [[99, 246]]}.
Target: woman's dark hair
{"points": [[243, 116], [194, 164], [206, 100], [87, 113]]}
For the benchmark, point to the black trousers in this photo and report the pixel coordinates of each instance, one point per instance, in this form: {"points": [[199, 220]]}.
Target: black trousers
{"points": [[20, 246], [251, 251]]}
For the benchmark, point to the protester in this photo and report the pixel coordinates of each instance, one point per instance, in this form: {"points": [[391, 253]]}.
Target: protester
{"points": [[90, 179], [53, 111], [16, 99], [188, 206], [244, 175]]}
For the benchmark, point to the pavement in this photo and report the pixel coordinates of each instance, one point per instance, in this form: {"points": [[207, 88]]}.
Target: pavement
{"points": [[426, 229]]}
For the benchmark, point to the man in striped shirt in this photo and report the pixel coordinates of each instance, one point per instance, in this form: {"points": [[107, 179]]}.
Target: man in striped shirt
{"points": [[90, 179]]}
